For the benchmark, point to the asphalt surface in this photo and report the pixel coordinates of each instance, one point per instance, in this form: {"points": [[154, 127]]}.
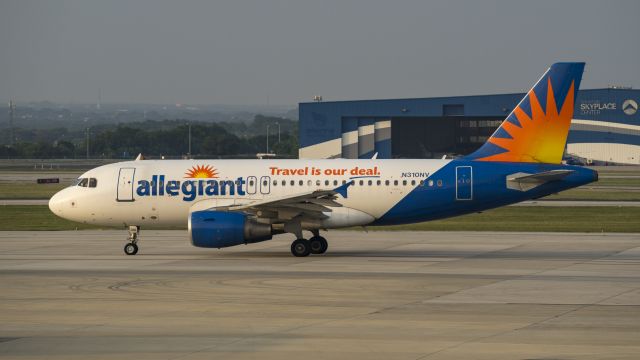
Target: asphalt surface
{"points": [[400, 295]]}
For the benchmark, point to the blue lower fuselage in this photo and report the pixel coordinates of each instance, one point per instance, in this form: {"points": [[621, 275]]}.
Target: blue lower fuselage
{"points": [[466, 186]]}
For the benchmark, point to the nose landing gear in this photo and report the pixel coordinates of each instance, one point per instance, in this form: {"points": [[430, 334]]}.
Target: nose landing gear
{"points": [[131, 248]]}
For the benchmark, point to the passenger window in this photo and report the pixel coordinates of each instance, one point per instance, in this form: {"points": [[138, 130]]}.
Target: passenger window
{"points": [[326, 183], [370, 182], [293, 182], [378, 182], [93, 182], [413, 182], [344, 182], [335, 182], [265, 183], [404, 182], [284, 182], [439, 183], [317, 182], [395, 182], [430, 182], [361, 182], [251, 183], [309, 182], [421, 182], [275, 182], [386, 182], [301, 182]]}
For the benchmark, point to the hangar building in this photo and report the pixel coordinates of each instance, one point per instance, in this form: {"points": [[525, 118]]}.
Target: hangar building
{"points": [[605, 128]]}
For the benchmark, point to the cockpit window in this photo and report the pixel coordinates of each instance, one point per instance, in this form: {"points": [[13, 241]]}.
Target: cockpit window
{"points": [[87, 182]]}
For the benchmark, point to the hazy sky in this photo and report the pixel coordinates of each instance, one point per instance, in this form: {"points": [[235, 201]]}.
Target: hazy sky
{"points": [[284, 52]]}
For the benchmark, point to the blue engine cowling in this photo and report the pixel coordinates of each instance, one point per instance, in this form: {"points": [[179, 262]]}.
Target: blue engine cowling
{"points": [[218, 229]]}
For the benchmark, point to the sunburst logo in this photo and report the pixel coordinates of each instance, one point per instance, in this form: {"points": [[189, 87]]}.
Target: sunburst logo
{"points": [[202, 172], [539, 137]]}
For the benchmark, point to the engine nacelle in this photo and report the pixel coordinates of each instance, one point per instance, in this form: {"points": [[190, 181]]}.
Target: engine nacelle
{"points": [[218, 229]]}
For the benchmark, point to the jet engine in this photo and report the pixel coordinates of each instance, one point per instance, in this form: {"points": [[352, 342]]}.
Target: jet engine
{"points": [[218, 229]]}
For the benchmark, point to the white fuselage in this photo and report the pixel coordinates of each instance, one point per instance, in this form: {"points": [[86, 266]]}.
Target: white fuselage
{"points": [[162, 193]]}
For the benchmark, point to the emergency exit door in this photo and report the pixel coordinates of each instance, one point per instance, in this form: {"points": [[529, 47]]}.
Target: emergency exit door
{"points": [[125, 184], [464, 183]]}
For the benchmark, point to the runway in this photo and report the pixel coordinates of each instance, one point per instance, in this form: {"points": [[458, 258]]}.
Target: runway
{"points": [[379, 295]]}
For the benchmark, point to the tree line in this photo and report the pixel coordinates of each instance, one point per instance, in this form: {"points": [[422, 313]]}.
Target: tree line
{"points": [[168, 138]]}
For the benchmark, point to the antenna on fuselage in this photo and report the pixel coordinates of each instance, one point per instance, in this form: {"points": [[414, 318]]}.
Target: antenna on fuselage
{"points": [[139, 157]]}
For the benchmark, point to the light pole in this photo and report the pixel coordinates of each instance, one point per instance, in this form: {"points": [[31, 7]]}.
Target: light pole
{"points": [[267, 138], [277, 123]]}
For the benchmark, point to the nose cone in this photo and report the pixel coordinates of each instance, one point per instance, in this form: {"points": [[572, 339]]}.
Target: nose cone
{"points": [[62, 203], [55, 204]]}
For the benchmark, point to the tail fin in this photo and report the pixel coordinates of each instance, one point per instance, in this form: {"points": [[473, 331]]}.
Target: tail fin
{"points": [[536, 130]]}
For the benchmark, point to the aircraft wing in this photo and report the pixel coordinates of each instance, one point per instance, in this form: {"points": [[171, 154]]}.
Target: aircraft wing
{"points": [[524, 181], [308, 205]]}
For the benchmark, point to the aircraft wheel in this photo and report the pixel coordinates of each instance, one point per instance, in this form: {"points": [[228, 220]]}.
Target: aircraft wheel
{"points": [[319, 245], [300, 248], [131, 249]]}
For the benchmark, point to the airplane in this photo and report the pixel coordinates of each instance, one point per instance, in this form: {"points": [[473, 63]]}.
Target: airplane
{"points": [[225, 203]]}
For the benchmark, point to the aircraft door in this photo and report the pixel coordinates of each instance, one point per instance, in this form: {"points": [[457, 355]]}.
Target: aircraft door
{"points": [[265, 184], [464, 183], [125, 184]]}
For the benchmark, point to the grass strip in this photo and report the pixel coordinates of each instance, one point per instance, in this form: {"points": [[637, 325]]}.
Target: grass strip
{"points": [[519, 218]]}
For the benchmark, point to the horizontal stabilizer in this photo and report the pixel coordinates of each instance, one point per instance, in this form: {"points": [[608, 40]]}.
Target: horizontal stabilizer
{"points": [[525, 181]]}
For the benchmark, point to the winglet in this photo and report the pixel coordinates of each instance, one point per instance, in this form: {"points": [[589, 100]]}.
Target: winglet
{"points": [[342, 189]]}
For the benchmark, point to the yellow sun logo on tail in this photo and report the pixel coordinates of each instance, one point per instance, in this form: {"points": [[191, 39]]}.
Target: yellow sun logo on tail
{"points": [[202, 172]]}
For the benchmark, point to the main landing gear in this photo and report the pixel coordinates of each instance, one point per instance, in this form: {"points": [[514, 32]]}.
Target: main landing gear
{"points": [[132, 248], [315, 245]]}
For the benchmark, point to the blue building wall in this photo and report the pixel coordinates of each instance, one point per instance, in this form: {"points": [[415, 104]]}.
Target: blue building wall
{"points": [[321, 123]]}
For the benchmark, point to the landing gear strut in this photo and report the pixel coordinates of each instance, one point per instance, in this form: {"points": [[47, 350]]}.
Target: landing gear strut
{"points": [[132, 248]]}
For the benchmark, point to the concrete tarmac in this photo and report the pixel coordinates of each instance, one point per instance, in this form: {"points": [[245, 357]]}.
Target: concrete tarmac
{"points": [[379, 295]]}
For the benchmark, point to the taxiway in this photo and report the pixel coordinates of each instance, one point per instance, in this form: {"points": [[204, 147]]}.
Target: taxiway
{"points": [[377, 295]]}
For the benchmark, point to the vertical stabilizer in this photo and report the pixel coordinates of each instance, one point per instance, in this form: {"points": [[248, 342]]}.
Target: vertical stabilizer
{"points": [[536, 130]]}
